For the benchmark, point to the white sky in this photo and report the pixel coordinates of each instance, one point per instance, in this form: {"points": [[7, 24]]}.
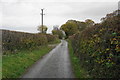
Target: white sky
{"points": [[24, 15]]}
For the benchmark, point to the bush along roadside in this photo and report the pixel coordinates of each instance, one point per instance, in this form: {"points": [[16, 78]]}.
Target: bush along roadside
{"points": [[98, 48], [78, 70], [13, 41]]}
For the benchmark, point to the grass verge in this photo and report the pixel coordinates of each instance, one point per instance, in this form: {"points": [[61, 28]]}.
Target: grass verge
{"points": [[14, 65], [79, 72]]}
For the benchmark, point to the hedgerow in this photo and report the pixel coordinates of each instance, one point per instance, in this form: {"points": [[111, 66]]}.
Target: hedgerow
{"points": [[13, 41], [98, 48]]}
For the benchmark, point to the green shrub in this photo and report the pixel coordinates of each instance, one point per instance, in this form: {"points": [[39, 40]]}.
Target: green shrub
{"points": [[98, 48], [51, 38], [13, 41]]}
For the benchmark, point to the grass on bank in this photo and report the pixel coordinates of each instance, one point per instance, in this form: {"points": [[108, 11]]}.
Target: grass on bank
{"points": [[79, 72], [14, 65]]}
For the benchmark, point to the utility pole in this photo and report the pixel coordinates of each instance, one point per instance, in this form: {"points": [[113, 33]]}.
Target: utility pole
{"points": [[42, 19]]}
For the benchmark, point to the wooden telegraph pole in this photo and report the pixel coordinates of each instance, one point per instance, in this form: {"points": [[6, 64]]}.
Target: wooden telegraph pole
{"points": [[42, 19]]}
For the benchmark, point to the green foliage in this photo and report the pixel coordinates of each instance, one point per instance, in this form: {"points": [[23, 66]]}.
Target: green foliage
{"points": [[98, 48], [58, 32], [51, 38], [69, 28], [89, 22], [77, 68], [72, 26], [14, 65], [13, 41], [81, 25], [42, 29]]}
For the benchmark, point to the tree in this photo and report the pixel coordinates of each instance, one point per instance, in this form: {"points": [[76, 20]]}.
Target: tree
{"points": [[42, 29], [58, 32], [69, 28], [55, 27], [89, 22], [110, 15], [72, 26], [81, 25]]}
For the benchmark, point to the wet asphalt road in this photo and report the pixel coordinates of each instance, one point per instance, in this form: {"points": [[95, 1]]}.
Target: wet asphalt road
{"points": [[56, 64]]}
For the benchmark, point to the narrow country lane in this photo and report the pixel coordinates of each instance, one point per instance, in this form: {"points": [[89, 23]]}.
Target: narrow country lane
{"points": [[56, 64]]}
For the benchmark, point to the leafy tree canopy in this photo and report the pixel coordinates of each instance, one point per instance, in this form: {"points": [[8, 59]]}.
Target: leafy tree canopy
{"points": [[42, 29], [58, 32], [70, 28]]}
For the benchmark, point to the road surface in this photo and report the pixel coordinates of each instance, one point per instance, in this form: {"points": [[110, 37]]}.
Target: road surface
{"points": [[56, 64]]}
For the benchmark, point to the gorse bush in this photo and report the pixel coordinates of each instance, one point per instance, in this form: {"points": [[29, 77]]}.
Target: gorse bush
{"points": [[13, 41], [98, 48], [51, 38]]}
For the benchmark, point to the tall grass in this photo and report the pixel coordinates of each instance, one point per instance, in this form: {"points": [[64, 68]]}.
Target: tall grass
{"points": [[78, 70], [14, 65]]}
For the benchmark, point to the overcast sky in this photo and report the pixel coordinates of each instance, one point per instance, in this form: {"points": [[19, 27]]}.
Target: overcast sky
{"points": [[24, 15]]}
